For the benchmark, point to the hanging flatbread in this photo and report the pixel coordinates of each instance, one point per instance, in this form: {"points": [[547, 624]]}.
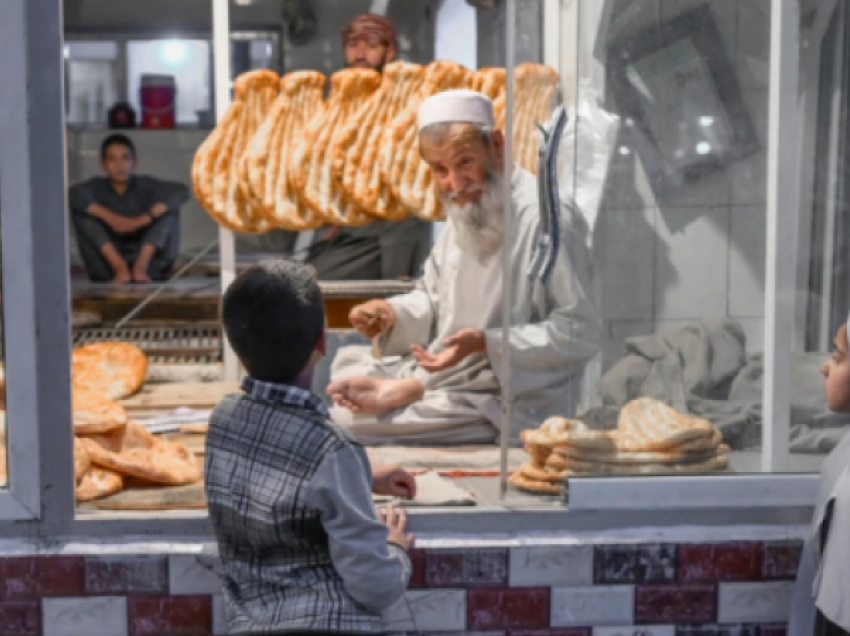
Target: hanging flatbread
{"points": [[310, 167], [535, 97], [264, 170], [358, 145], [216, 171], [114, 370], [489, 81], [402, 167]]}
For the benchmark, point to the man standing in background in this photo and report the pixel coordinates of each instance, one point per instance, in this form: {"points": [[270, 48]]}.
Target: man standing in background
{"points": [[382, 250]]}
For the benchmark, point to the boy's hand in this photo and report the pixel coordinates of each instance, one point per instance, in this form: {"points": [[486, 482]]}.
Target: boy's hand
{"points": [[393, 481], [397, 524]]}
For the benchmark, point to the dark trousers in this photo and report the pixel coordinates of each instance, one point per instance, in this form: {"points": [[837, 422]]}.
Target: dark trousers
{"points": [[92, 234], [382, 250]]}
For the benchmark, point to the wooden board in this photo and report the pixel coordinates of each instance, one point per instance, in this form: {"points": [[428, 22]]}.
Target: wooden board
{"points": [[191, 497], [168, 397]]}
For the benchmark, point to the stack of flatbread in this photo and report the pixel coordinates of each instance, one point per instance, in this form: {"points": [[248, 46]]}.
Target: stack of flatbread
{"points": [[110, 452], [651, 438]]}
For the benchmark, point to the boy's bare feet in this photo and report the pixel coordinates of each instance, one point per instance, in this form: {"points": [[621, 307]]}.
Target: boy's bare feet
{"points": [[122, 277]]}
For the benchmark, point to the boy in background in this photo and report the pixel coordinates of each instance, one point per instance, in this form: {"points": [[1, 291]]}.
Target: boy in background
{"points": [[289, 492], [127, 226]]}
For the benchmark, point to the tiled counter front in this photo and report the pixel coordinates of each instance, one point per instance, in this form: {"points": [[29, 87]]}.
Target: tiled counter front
{"points": [[728, 589]]}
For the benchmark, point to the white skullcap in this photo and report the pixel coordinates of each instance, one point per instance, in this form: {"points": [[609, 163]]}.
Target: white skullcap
{"points": [[457, 106]]}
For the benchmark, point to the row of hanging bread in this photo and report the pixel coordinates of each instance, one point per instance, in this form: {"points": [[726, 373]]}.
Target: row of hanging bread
{"points": [[651, 438], [282, 157]]}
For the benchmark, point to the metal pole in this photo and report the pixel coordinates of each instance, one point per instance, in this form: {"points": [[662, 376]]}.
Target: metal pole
{"points": [[781, 232], [507, 265], [226, 241]]}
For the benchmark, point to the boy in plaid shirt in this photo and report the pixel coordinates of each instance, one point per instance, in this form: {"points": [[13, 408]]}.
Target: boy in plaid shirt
{"points": [[289, 492]]}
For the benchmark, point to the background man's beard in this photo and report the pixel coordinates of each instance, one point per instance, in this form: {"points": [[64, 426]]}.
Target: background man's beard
{"points": [[479, 227]]}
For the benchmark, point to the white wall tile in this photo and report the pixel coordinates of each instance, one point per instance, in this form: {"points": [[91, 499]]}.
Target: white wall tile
{"points": [[625, 245], [692, 263], [536, 567], [187, 576], [597, 605], [754, 602], [749, 176], [747, 252], [636, 630], [753, 46], [428, 610], [95, 616]]}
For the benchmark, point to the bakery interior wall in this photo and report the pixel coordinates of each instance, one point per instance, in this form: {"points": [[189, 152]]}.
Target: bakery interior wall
{"points": [[168, 154], [661, 262], [699, 253]]}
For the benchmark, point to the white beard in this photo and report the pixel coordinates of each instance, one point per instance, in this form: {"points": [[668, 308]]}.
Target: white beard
{"points": [[479, 227]]}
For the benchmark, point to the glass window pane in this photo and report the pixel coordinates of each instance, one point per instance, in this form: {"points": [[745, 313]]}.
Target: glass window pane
{"points": [[188, 62], [661, 193], [91, 81]]}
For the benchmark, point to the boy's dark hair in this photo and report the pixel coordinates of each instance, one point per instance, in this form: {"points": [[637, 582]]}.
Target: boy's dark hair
{"points": [[274, 315], [117, 140]]}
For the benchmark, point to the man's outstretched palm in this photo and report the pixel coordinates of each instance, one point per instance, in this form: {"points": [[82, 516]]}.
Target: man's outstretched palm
{"points": [[458, 347]]}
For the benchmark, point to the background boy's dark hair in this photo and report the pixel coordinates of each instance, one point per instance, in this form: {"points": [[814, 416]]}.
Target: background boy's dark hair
{"points": [[116, 140], [274, 315]]}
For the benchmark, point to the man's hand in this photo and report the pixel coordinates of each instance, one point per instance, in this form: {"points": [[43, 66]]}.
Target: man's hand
{"points": [[393, 481], [127, 225], [397, 524], [373, 318], [158, 210], [457, 348]]}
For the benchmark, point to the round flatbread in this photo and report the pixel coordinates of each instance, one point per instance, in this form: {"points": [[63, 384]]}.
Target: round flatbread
{"points": [[82, 463], [95, 415], [98, 483], [165, 463], [518, 480], [535, 473], [114, 370]]}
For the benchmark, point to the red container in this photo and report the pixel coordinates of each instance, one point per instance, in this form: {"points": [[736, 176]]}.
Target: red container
{"points": [[158, 95]]}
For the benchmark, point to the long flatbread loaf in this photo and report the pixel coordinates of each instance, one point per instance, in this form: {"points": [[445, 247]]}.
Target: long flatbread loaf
{"points": [[402, 167], [310, 169], [114, 370], [358, 145], [489, 81], [264, 170], [536, 89], [254, 94]]}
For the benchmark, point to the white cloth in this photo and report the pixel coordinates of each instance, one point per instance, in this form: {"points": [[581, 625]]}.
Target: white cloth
{"points": [[457, 106], [555, 331]]}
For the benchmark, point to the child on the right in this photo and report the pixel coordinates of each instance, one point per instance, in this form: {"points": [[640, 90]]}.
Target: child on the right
{"points": [[821, 604]]}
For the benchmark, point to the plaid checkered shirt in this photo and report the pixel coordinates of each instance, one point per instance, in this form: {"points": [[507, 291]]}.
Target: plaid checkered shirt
{"points": [[289, 497]]}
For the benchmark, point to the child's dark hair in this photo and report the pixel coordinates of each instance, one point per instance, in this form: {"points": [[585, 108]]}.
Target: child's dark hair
{"points": [[274, 315], [117, 140]]}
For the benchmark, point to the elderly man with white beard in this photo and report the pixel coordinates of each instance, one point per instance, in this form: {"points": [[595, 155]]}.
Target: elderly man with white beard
{"points": [[439, 378]]}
